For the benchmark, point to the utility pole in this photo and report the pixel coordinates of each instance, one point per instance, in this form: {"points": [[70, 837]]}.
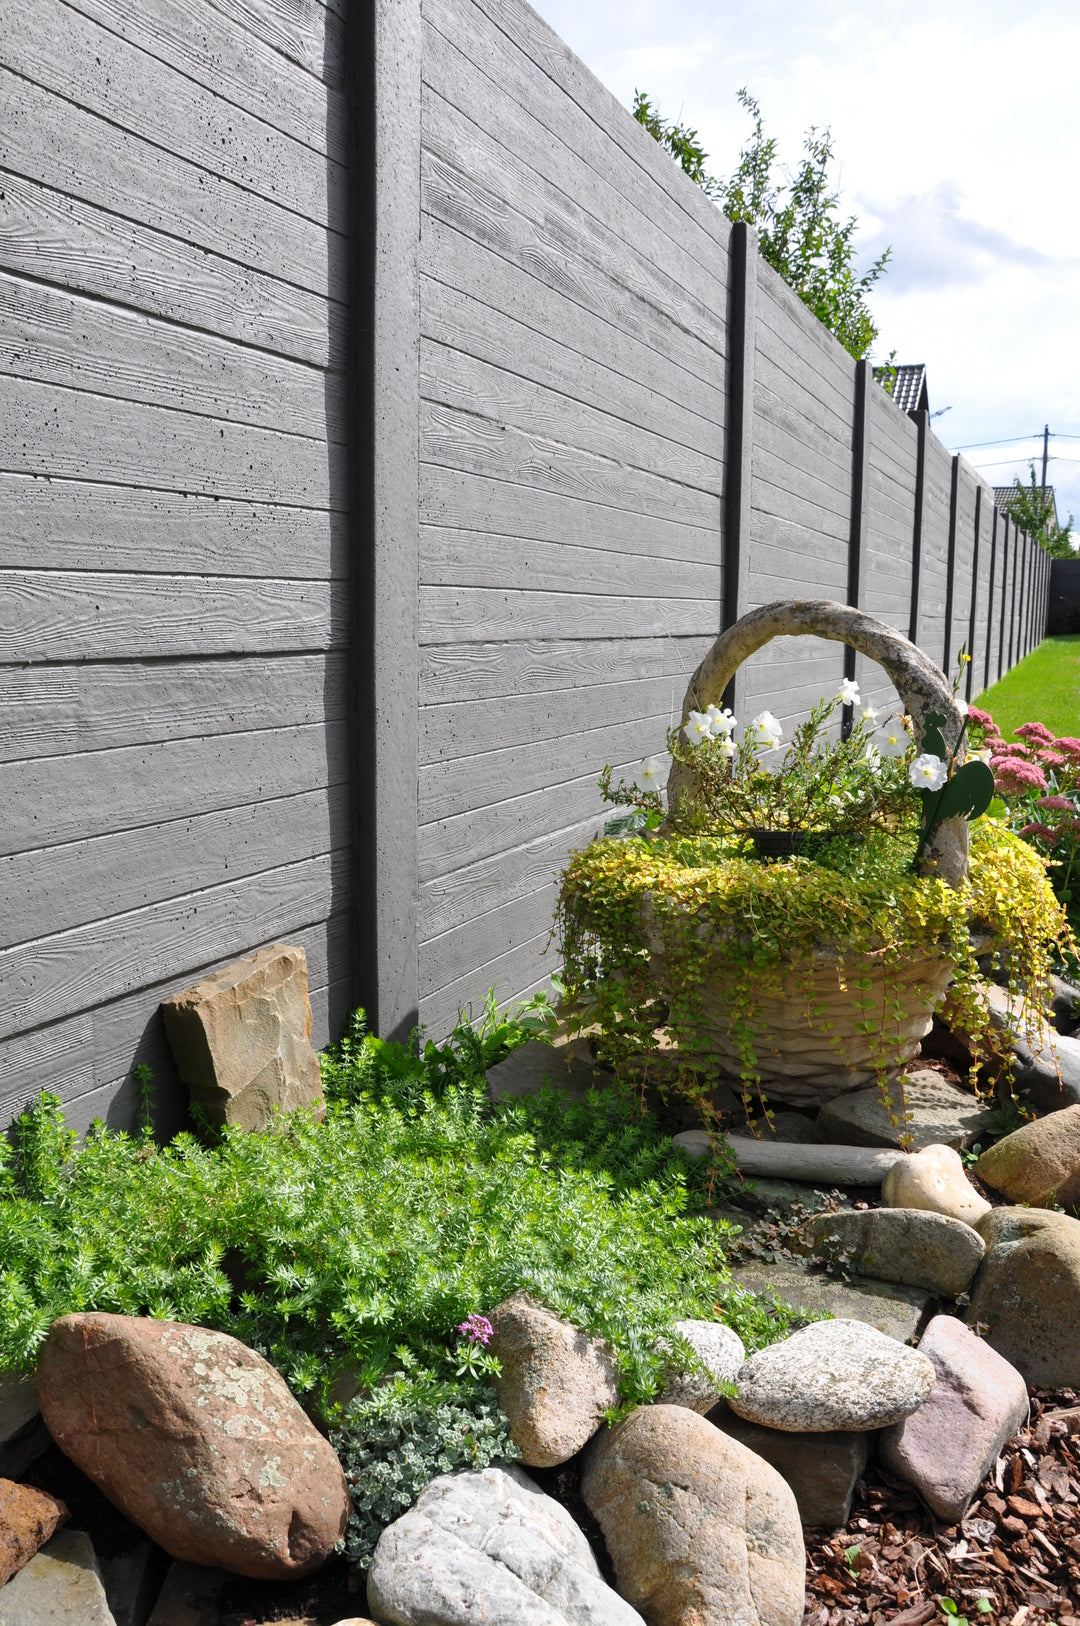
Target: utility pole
{"points": [[1046, 452]]}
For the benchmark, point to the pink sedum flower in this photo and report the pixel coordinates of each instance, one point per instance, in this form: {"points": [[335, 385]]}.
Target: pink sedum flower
{"points": [[1050, 759], [1035, 733], [1056, 804], [981, 719], [1043, 831], [1068, 747], [1015, 777]]}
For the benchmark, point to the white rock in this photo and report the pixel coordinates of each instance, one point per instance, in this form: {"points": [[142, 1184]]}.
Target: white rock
{"points": [[833, 1375], [720, 1349], [490, 1547], [934, 1179]]}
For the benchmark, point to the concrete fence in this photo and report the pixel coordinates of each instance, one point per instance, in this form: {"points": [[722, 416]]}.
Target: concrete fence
{"points": [[387, 429]]}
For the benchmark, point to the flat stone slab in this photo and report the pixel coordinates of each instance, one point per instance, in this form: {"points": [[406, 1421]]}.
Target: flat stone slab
{"points": [[939, 1114], [833, 1375], [566, 1066], [61, 1586], [902, 1245], [888, 1306]]}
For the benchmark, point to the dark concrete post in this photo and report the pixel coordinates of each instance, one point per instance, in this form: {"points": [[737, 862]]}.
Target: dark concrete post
{"points": [[922, 425], [738, 462], [974, 589], [950, 567]]}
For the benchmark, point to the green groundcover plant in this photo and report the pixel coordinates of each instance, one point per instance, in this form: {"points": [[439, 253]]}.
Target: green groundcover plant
{"points": [[369, 1246]]}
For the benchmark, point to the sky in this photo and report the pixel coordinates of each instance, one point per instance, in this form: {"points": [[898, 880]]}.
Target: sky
{"points": [[957, 135]]}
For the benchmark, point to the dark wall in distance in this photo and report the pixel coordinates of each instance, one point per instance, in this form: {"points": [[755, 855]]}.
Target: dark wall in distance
{"points": [[1063, 605]]}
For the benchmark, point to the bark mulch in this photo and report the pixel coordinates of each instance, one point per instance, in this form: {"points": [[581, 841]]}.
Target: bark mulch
{"points": [[1015, 1557]]}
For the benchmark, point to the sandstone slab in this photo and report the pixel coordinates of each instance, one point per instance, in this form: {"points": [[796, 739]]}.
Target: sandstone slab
{"points": [[934, 1180], [61, 1586], [556, 1382], [241, 1039], [1027, 1293], [1039, 1163], [949, 1445], [699, 1528], [490, 1546], [719, 1349], [902, 1245], [890, 1307], [822, 1469], [197, 1439], [832, 1375], [938, 1113], [28, 1517]]}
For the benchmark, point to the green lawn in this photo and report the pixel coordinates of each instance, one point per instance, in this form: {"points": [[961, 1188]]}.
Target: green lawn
{"points": [[1044, 687]]}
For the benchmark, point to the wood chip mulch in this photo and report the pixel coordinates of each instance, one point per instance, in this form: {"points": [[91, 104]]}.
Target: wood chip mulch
{"points": [[1014, 1558]]}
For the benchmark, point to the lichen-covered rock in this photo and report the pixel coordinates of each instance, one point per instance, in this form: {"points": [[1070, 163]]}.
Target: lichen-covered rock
{"points": [[490, 1547], [719, 1349], [197, 1439], [701, 1531], [908, 1245], [934, 1179], [1027, 1293], [556, 1382], [28, 1517], [832, 1375], [946, 1448], [241, 1039], [1038, 1164]]}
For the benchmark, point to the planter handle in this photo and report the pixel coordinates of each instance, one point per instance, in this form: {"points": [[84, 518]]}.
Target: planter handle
{"points": [[921, 685]]}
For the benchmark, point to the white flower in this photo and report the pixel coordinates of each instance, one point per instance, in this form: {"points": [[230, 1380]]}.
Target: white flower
{"points": [[871, 758], [721, 722], [961, 706], [849, 693], [767, 732], [892, 740], [868, 715], [650, 776], [698, 729], [725, 746], [927, 772]]}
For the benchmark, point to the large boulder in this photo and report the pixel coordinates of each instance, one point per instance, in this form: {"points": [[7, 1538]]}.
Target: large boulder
{"points": [[719, 1350], [947, 1447], [699, 1529], [241, 1039], [822, 1469], [556, 1382], [489, 1547], [937, 1113], [28, 1517], [197, 1439], [832, 1375], [902, 1245], [1026, 1296], [1038, 1164], [934, 1180]]}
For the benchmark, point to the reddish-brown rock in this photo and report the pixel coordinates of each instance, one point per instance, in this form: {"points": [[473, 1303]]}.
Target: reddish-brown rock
{"points": [[28, 1518], [197, 1439]]}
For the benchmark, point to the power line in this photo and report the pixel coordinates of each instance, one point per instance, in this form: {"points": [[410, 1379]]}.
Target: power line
{"points": [[1055, 434]]}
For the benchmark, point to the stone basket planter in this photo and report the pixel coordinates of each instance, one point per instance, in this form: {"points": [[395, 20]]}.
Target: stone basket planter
{"points": [[810, 1038]]}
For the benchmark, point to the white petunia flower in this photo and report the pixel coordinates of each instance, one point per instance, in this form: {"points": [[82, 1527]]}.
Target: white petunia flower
{"points": [[768, 732], [848, 692], [962, 706], [698, 729], [868, 714], [721, 722], [928, 772], [892, 740], [725, 746], [871, 758], [650, 776]]}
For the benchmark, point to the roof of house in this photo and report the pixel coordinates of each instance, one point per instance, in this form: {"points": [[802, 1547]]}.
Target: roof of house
{"points": [[909, 385], [1003, 495]]}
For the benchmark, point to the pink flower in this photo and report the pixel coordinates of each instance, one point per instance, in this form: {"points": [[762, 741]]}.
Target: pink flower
{"points": [[1043, 831], [1070, 747], [1015, 777], [981, 719], [477, 1329], [1050, 759], [1036, 732], [1056, 804]]}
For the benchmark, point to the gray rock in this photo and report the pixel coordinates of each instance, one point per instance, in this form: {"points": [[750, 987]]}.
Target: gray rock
{"points": [[566, 1065], [722, 1352], [902, 1245], [948, 1446], [832, 1375], [1050, 1077], [556, 1383], [822, 1469], [701, 1531], [23, 1435], [1027, 1293], [133, 1579], [938, 1114], [793, 1128], [889, 1307], [1039, 1163], [191, 1596], [490, 1547], [1064, 1004], [241, 1039], [61, 1586]]}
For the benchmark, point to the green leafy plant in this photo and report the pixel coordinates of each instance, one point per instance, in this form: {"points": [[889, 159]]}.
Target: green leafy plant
{"points": [[1033, 509], [801, 232]]}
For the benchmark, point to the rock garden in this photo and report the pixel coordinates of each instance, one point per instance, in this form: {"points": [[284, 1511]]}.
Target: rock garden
{"points": [[740, 1289]]}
